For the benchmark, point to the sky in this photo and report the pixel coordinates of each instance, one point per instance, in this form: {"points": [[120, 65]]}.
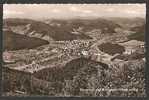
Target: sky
{"points": [[40, 11]]}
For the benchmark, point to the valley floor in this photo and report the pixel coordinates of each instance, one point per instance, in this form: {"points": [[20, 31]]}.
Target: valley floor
{"points": [[75, 68]]}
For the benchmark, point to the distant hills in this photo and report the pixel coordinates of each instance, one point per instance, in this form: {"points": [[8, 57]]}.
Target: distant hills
{"points": [[35, 33], [41, 30], [72, 29], [127, 23], [14, 41], [94, 28], [139, 29], [135, 25], [139, 33], [86, 25]]}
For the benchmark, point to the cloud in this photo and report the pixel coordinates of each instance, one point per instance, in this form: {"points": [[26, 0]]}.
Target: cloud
{"points": [[75, 9], [8, 12], [110, 9], [134, 12], [56, 11], [87, 11], [131, 12]]}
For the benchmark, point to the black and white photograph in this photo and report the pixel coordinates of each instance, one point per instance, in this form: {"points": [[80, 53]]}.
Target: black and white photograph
{"points": [[74, 50]]}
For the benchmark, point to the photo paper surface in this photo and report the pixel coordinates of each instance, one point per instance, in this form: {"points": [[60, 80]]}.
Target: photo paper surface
{"points": [[79, 50]]}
